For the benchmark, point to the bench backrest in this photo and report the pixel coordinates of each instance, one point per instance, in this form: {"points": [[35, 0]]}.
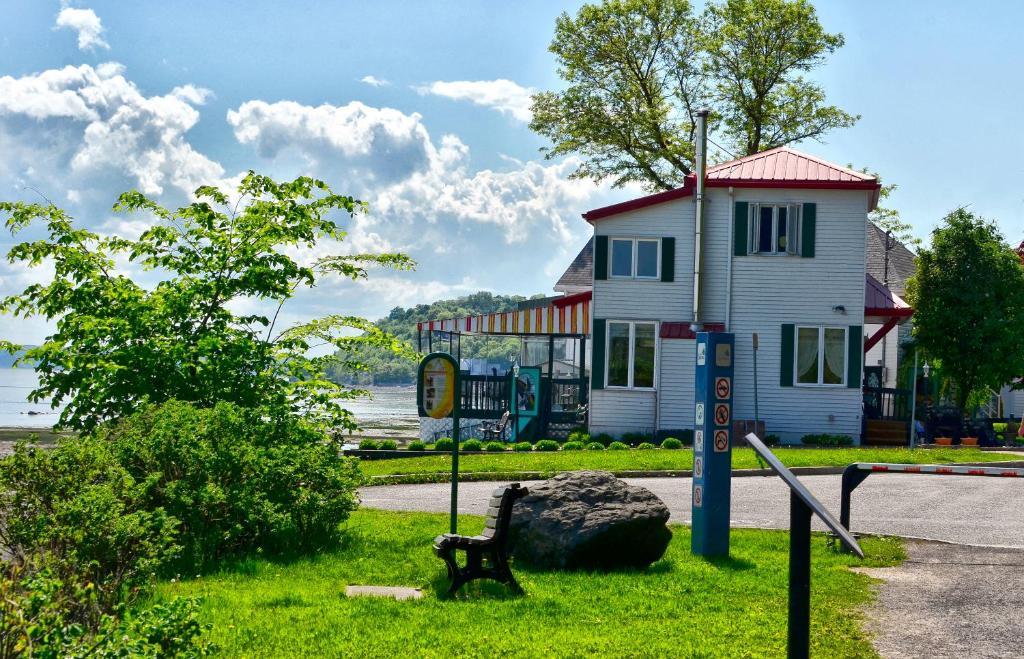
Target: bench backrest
{"points": [[499, 513]]}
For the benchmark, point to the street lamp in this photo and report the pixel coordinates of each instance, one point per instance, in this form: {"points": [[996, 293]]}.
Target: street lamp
{"points": [[926, 369], [515, 396]]}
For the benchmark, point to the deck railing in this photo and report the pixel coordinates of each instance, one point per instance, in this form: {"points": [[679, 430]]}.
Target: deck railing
{"points": [[886, 403], [484, 396]]}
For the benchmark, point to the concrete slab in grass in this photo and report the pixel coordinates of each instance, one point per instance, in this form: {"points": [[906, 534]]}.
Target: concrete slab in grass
{"points": [[396, 592]]}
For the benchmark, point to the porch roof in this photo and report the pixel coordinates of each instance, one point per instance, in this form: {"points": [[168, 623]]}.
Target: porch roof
{"points": [[568, 314], [881, 304]]}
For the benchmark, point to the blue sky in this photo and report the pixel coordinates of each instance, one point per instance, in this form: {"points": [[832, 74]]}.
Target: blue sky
{"points": [[420, 108]]}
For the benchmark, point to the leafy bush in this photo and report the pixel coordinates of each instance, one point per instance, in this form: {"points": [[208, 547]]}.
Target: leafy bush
{"points": [[416, 445], [237, 479], [826, 439], [672, 443], [636, 438], [646, 446], [595, 446], [604, 438], [387, 445], [444, 444], [618, 446], [685, 435], [547, 445], [522, 447], [772, 440], [572, 446], [471, 445], [581, 436], [369, 445], [999, 427], [494, 447]]}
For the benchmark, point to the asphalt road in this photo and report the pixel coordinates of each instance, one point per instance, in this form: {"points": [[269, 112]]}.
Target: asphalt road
{"points": [[967, 510]]}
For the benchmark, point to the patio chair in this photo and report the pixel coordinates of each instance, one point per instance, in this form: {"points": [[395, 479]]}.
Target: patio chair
{"points": [[496, 431]]}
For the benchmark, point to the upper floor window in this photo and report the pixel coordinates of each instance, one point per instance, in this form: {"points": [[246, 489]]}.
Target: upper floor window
{"points": [[635, 258], [774, 229]]}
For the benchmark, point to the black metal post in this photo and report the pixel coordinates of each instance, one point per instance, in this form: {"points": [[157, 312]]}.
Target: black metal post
{"points": [[852, 477], [799, 578]]}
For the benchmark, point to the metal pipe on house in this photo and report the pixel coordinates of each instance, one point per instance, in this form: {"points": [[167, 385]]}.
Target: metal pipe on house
{"points": [[698, 237]]}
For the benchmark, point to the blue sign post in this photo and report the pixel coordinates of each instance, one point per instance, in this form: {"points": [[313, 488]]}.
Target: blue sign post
{"points": [[712, 444]]}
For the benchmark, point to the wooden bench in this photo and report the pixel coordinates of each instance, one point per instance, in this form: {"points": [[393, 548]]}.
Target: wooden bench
{"points": [[492, 544]]}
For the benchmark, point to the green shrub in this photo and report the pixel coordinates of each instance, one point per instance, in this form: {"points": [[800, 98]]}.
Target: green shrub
{"points": [[618, 446], [547, 445], [369, 445], [646, 446], [471, 445], [595, 446], [494, 447], [636, 438], [685, 435], [572, 446], [1018, 440], [826, 439], [772, 440], [581, 436], [522, 447], [999, 427], [604, 439], [444, 444], [416, 445], [671, 443], [238, 479], [387, 445]]}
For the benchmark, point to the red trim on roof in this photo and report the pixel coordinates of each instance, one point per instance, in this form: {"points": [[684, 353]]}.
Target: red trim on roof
{"points": [[806, 185], [683, 331], [888, 312], [689, 183], [569, 300]]}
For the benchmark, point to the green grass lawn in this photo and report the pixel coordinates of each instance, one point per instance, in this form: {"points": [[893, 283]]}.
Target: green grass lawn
{"points": [[680, 606], [663, 460]]}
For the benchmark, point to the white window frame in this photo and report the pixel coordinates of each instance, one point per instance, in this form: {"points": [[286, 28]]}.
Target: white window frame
{"points": [[820, 383], [635, 240], [632, 347], [794, 217]]}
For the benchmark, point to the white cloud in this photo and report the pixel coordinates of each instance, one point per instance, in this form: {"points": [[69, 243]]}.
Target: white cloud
{"points": [[502, 95], [86, 23], [374, 81]]}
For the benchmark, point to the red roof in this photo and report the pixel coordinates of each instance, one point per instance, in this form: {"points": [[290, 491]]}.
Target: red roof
{"points": [[880, 303], [781, 167]]}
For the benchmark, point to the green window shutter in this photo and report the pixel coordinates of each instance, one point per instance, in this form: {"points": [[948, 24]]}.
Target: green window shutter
{"points": [[600, 257], [786, 363], [739, 229], [807, 222], [668, 259], [597, 355], [855, 356]]}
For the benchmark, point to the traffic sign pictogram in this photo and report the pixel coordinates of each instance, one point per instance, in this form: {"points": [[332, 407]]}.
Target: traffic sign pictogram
{"points": [[721, 441], [723, 388], [722, 414], [698, 496]]}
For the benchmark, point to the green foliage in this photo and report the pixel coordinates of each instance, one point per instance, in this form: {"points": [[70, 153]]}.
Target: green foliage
{"points": [[635, 438], [826, 439], [595, 446], [117, 342], [416, 445], [772, 440], [968, 299], [637, 72], [581, 436], [368, 444], [494, 447], [603, 438], [646, 446], [472, 445], [387, 445], [444, 444], [618, 446], [522, 447], [547, 445], [572, 446], [237, 479], [671, 443]]}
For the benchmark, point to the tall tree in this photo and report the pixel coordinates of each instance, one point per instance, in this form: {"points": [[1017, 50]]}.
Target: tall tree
{"points": [[637, 71], [968, 298]]}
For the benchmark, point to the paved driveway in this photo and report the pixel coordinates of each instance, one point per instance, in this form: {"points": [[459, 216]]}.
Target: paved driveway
{"points": [[961, 509]]}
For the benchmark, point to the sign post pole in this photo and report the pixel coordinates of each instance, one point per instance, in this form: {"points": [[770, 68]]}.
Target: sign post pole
{"points": [[456, 434], [712, 444]]}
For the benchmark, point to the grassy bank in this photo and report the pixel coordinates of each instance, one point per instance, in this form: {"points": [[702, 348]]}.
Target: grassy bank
{"points": [[663, 460], [681, 606]]}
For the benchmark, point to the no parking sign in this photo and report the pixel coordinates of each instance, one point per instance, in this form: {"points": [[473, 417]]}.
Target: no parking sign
{"points": [[712, 459]]}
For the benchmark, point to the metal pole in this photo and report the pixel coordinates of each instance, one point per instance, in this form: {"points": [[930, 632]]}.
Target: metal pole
{"points": [[757, 416], [799, 578], [456, 409], [913, 404]]}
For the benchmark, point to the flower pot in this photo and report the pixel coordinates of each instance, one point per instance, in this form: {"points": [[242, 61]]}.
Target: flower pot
{"points": [[968, 441], [943, 441]]}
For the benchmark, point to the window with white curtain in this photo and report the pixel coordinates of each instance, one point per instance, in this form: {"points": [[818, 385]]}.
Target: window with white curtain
{"points": [[631, 354], [774, 229], [820, 355]]}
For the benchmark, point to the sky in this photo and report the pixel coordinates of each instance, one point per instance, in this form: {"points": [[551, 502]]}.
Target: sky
{"points": [[421, 109]]}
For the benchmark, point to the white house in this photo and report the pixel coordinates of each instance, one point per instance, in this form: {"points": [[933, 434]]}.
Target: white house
{"points": [[783, 257]]}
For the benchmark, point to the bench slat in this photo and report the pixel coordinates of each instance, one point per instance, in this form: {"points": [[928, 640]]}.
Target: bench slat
{"points": [[493, 511], [491, 522]]}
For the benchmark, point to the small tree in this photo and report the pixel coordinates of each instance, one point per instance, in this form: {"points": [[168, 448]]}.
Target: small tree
{"points": [[118, 343], [968, 298]]}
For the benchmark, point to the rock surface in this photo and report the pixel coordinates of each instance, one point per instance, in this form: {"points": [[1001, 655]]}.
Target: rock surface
{"points": [[589, 520]]}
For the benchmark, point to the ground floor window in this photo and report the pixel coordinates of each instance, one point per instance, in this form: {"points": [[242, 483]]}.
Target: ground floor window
{"points": [[631, 354], [820, 355]]}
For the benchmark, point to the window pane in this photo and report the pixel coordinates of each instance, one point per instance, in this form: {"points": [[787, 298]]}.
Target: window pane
{"points": [[807, 355], [780, 231], [835, 355], [622, 258], [764, 242], [643, 356], [618, 354], [647, 258]]}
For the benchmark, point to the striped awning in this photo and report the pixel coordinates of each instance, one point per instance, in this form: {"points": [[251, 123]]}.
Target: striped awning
{"points": [[569, 314]]}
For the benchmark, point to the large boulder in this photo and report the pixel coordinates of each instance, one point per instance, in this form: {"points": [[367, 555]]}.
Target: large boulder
{"points": [[589, 520]]}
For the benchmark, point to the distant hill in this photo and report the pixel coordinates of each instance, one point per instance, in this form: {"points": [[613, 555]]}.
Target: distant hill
{"points": [[386, 369]]}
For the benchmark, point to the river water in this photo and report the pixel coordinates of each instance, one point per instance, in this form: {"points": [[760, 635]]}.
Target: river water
{"points": [[389, 411]]}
